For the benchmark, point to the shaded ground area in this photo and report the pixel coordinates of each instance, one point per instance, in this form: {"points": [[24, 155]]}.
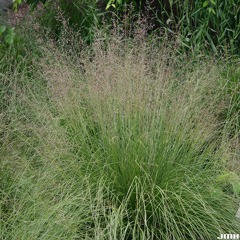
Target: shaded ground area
{"points": [[15, 17]]}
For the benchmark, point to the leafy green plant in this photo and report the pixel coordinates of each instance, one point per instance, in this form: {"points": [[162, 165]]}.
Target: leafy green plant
{"points": [[79, 15], [118, 4], [16, 3], [209, 5], [213, 25], [7, 34]]}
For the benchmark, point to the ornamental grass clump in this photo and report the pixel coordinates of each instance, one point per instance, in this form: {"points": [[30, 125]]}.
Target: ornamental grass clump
{"points": [[121, 140], [156, 140]]}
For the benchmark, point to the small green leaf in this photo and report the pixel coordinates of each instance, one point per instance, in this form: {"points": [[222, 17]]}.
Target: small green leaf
{"points": [[9, 38], [211, 10], [2, 29], [205, 4], [213, 2], [119, 2], [110, 3], [16, 3]]}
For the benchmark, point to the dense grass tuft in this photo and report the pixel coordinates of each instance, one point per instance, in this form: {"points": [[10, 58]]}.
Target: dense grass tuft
{"points": [[127, 141]]}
